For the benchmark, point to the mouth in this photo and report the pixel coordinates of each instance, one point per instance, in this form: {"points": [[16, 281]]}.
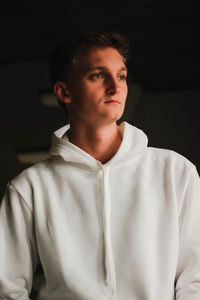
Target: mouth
{"points": [[114, 101]]}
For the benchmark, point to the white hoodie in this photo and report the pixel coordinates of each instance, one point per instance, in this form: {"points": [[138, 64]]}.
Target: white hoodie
{"points": [[125, 230]]}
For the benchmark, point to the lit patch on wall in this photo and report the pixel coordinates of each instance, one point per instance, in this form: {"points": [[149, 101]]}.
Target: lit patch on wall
{"points": [[32, 157], [48, 99]]}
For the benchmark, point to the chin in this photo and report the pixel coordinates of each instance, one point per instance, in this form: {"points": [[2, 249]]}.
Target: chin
{"points": [[114, 118]]}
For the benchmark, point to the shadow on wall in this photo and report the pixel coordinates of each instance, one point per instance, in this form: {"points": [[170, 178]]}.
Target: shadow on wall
{"points": [[171, 121]]}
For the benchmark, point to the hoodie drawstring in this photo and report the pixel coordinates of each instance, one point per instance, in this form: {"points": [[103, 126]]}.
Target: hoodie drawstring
{"points": [[110, 277]]}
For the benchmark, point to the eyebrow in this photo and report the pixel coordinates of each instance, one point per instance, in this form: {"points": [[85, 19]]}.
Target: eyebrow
{"points": [[89, 68]]}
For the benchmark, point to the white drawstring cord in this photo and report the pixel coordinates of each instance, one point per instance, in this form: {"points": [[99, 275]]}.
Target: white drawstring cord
{"points": [[108, 259]]}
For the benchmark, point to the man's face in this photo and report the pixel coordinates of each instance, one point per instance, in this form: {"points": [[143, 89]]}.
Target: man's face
{"points": [[98, 88]]}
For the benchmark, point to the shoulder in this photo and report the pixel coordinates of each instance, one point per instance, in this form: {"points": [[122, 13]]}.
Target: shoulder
{"points": [[31, 172], [171, 160], [32, 177], [31, 182]]}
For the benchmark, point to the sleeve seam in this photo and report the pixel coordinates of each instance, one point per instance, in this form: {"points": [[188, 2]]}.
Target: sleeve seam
{"points": [[20, 196]]}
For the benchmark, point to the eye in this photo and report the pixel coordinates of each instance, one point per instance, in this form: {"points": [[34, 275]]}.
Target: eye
{"points": [[97, 76], [122, 77]]}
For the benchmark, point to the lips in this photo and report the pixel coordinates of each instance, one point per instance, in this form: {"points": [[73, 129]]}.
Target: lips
{"points": [[113, 101]]}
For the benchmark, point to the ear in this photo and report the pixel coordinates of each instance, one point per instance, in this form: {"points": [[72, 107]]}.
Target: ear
{"points": [[61, 92]]}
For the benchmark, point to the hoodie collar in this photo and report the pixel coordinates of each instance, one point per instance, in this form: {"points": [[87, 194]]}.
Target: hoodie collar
{"points": [[134, 144]]}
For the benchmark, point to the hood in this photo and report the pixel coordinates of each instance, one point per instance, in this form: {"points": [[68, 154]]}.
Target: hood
{"points": [[134, 144]]}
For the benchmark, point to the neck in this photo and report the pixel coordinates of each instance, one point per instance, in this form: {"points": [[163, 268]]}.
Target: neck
{"points": [[100, 142]]}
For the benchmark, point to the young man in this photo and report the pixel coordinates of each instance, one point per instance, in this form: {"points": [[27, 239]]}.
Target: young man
{"points": [[107, 216]]}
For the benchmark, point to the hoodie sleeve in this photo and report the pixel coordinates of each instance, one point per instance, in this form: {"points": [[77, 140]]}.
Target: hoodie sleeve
{"points": [[188, 270], [18, 254]]}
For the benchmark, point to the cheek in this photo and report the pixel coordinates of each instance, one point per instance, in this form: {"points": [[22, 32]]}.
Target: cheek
{"points": [[125, 91], [92, 92]]}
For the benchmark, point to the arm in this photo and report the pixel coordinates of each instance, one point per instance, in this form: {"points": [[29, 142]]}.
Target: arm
{"points": [[18, 253], [188, 269]]}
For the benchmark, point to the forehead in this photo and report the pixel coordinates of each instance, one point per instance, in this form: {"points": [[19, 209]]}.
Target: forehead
{"points": [[108, 58]]}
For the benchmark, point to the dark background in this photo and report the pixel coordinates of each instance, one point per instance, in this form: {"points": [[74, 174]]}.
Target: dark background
{"points": [[164, 72]]}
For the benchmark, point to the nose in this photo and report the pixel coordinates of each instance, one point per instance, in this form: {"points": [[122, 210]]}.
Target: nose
{"points": [[113, 86]]}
